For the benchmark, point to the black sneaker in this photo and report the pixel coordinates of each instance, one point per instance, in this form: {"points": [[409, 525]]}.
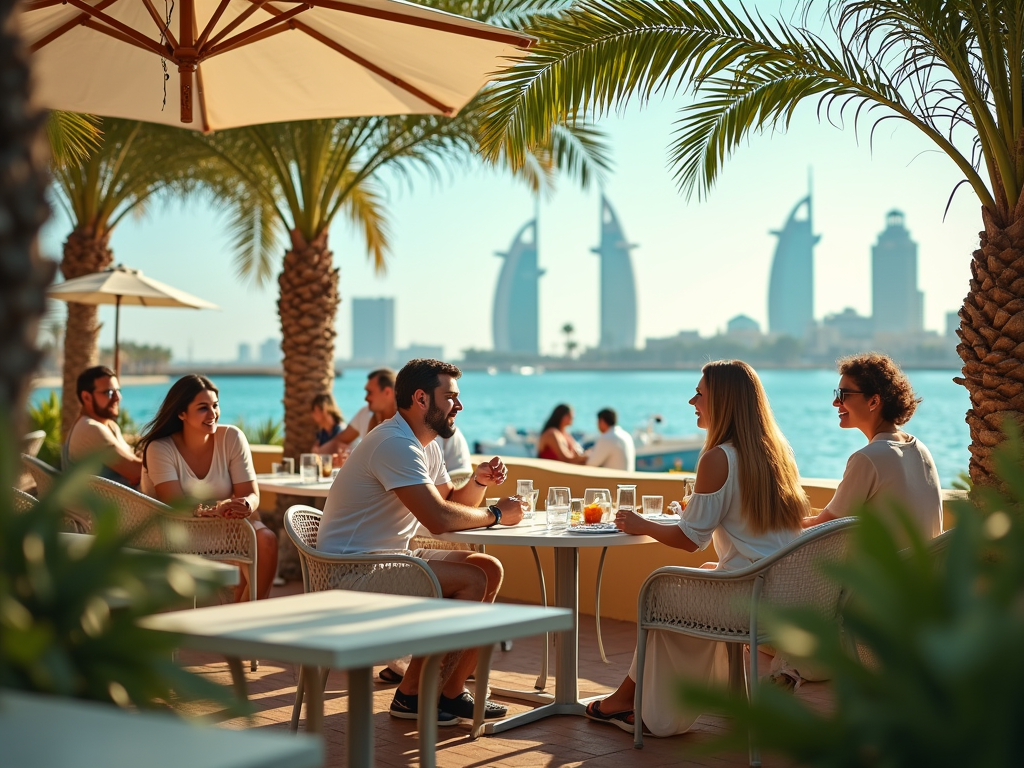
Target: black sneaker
{"points": [[462, 707], [406, 707]]}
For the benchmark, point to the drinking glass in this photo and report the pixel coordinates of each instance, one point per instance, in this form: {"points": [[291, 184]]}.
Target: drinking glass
{"points": [[276, 468], [288, 466], [533, 506], [625, 498], [688, 484], [309, 467], [653, 505], [558, 508], [597, 503], [575, 511], [524, 489], [326, 464]]}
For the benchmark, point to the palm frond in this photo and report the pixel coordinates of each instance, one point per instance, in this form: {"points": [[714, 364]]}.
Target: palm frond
{"points": [[72, 136], [367, 212], [747, 74]]}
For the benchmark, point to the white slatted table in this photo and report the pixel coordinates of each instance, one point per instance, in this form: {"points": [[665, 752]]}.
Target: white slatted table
{"points": [[355, 631]]}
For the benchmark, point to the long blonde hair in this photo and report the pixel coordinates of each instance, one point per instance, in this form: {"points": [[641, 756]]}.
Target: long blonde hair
{"points": [[738, 413]]}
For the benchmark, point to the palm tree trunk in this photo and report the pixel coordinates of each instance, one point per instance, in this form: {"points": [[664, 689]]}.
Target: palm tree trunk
{"points": [[307, 306], [23, 209], [992, 342], [85, 251]]}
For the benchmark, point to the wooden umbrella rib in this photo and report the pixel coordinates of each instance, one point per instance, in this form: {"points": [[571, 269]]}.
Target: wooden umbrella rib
{"points": [[501, 36], [202, 98], [258, 32], [161, 24], [119, 26], [104, 29], [256, 5], [221, 7], [38, 5], [66, 26], [240, 40]]}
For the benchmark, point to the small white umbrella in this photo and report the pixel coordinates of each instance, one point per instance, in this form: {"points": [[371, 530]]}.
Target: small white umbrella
{"points": [[121, 285], [247, 62]]}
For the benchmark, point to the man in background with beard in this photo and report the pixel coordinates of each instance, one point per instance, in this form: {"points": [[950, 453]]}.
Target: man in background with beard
{"points": [[96, 429], [393, 482]]}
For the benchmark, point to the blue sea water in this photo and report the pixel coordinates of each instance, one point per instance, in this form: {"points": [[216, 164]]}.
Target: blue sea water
{"points": [[801, 400]]}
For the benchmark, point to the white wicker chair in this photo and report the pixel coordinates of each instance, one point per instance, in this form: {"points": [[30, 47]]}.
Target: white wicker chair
{"points": [[23, 502], [42, 473], [724, 605], [32, 442], [387, 574], [215, 538]]}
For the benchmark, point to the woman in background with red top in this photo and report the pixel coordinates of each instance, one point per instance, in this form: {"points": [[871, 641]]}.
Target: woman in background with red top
{"points": [[555, 442]]}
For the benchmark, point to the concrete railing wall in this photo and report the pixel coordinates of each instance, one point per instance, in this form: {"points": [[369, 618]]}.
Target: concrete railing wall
{"points": [[626, 567]]}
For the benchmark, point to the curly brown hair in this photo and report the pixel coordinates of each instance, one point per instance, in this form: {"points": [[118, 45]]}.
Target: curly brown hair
{"points": [[877, 374]]}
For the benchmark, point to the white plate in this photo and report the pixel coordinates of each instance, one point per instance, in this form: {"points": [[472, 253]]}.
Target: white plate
{"points": [[594, 528], [662, 518]]}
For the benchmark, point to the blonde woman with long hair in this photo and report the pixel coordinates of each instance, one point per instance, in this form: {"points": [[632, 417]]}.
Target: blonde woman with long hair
{"points": [[747, 501]]}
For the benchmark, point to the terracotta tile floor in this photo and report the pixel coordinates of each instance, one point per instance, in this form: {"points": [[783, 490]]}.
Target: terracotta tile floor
{"points": [[560, 741]]}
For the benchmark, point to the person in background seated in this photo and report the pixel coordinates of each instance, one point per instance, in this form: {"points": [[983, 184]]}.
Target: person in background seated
{"points": [[457, 457], [96, 428], [187, 454], [380, 405], [614, 449], [330, 424], [394, 482], [555, 442], [748, 501], [875, 397]]}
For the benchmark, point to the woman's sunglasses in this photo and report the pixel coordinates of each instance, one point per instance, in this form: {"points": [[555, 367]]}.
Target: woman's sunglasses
{"points": [[840, 394]]}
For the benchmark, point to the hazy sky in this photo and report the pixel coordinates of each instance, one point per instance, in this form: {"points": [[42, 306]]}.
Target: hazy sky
{"points": [[697, 263]]}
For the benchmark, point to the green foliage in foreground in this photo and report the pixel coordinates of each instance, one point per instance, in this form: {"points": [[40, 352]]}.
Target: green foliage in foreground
{"points": [[943, 679], [46, 416], [68, 611], [266, 432]]}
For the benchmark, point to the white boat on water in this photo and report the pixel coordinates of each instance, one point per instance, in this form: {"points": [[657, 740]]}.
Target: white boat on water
{"points": [[655, 452]]}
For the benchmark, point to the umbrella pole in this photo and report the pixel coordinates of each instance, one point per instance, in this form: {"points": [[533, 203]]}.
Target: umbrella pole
{"points": [[117, 337]]}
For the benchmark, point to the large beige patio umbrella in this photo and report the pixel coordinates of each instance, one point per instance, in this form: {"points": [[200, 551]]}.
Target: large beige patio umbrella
{"points": [[246, 62], [120, 285]]}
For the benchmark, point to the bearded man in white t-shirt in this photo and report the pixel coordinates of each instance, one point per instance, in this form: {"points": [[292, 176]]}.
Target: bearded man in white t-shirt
{"points": [[395, 481]]}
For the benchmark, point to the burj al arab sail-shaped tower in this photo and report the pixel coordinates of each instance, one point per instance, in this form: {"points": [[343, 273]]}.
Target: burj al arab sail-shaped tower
{"points": [[791, 286], [516, 305], [618, 285]]}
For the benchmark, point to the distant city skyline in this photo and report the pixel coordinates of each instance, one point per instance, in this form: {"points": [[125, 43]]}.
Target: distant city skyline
{"points": [[702, 262]]}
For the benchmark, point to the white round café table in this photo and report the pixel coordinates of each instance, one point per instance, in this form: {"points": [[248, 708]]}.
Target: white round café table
{"points": [[567, 547], [292, 485]]}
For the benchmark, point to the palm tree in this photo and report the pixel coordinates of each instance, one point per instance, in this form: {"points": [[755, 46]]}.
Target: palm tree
{"points": [[953, 69], [23, 209], [133, 162]]}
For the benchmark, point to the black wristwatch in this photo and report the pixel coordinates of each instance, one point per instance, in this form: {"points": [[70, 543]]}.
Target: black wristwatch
{"points": [[495, 510]]}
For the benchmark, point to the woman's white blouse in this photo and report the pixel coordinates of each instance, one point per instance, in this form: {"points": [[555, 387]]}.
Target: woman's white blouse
{"points": [[232, 463], [718, 517]]}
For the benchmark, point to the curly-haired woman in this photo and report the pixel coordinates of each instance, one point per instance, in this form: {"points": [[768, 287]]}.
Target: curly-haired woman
{"points": [[875, 397]]}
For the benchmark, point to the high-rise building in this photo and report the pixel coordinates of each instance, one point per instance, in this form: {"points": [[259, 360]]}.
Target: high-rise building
{"points": [[791, 286], [618, 285], [244, 352], [897, 305], [373, 330], [270, 352], [516, 304]]}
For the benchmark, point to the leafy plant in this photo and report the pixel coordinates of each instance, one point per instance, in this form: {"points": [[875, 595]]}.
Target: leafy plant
{"points": [[68, 610], [129, 427], [939, 631], [266, 432], [46, 416]]}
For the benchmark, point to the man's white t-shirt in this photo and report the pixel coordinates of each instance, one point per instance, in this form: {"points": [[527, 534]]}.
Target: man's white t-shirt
{"points": [[361, 421], [614, 449], [362, 513]]}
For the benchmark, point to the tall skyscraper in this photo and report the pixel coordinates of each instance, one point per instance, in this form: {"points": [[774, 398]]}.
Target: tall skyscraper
{"points": [[373, 330], [516, 305], [618, 285], [896, 304], [791, 286]]}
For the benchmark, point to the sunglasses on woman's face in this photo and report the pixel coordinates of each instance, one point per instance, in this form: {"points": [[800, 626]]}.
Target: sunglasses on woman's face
{"points": [[840, 394]]}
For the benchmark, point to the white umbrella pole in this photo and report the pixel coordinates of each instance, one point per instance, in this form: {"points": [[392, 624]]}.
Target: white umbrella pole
{"points": [[117, 337]]}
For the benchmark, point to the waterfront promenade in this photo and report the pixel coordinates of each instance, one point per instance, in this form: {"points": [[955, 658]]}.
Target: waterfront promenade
{"points": [[559, 742]]}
